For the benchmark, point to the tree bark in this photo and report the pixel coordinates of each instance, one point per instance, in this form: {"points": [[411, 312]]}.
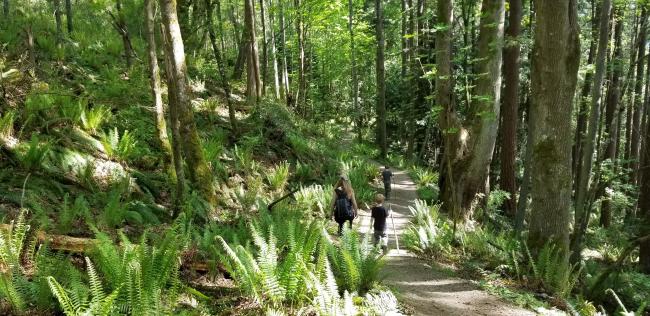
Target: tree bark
{"points": [[275, 57], [154, 80], [644, 203], [475, 140], [284, 65], [582, 201], [404, 52], [638, 100], [553, 82], [253, 81], [353, 73], [120, 26], [68, 15], [510, 105], [218, 56], [265, 55], [381, 80], [200, 173], [302, 81], [612, 109], [57, 18]]}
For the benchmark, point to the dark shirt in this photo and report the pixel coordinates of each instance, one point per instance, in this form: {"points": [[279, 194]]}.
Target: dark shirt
{"points": [[379, 213], [387, 175]]}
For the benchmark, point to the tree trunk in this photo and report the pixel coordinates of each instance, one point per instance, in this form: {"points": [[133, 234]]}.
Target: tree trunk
{"points": [[274, 57], [57, 18], [200, 172], [583, 110], [217, 51], [265, 56], [381, 80], [154, 79], [582, 201], [404, 53], [284, 65], [638, 99], [611, 110], [353, 74], [510, 105], [5, 9], [553, 82], [524, 189], [644, 203], [68, 14], [300, 33], [253, 81], [474, 142], [120, 25]]}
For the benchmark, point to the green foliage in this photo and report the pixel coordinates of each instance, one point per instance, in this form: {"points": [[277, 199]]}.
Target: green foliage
{"points": [[314, 198], [92, 118], [355, 262], [428, 234], [99, 303], [119, 147], [32, 155], [551, 271], [12, 280], [7, 124], [71, 214], [423, 177], [278, 176]]}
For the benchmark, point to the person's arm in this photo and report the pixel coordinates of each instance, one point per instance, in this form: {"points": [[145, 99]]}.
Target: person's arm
{"points": [[354, 204], [333, 204]]}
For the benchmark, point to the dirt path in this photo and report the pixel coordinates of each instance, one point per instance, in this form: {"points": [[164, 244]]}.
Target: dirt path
{"points": [[426, 290]]}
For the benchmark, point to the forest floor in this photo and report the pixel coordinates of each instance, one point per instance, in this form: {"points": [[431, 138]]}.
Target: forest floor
{"points": [[426, 289]]}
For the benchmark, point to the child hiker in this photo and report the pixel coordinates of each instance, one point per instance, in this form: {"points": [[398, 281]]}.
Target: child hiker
{"points": [[379, 215]]}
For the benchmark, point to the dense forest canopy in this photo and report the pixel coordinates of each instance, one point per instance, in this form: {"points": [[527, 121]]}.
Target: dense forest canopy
{"points": [[179, 156]]}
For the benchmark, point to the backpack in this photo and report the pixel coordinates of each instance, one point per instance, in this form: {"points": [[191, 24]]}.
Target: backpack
{"points": [[343, 206]]}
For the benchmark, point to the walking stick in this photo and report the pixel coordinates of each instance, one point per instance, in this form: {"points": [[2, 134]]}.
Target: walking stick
{"points": [[390, 208]]}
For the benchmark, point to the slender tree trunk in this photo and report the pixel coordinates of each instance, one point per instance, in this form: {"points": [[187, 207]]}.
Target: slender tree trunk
{"points": [[353, 73], [524, 189], [510, 105], [274, 52], [381, 80], [5, 9], [554, 72], [404, 53], [68, 14], [300, 33], [120, 26], [30, 48], [254, 84], [474, 143], [57, 18], [644, 202], [582, 201], [154, 79], [284, 65], [611, 111], [177, 148], [583, 110], [638, 99], [265, 55], [200, 172], [218, 56]]}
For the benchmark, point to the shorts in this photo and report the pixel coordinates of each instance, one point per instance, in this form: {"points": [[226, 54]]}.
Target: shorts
{"points": [[380, 237]]}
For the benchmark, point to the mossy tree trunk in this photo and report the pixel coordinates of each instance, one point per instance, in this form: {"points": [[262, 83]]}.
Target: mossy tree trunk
{"points": [[253, 81], [274, 55], [553, 82], [302, 79], [68, 15], [200, 173], [473, 141], [381, 80], [154, 79]]}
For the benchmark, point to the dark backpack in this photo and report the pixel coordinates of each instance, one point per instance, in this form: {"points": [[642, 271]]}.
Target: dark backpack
{"points": [[343, 206]]}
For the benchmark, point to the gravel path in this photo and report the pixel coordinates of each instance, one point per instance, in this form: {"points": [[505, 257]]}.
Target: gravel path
{"points": [[426, 290]]}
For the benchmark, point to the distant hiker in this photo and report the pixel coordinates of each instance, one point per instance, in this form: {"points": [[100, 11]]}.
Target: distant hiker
{"points": [[379, 215], [387, 176], [344, 204]]}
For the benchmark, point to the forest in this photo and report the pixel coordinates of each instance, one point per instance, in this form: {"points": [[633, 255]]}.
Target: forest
{"points": [[204, 157]]}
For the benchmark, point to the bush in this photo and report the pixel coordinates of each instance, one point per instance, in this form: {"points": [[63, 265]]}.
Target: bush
{"points": [[427, 234], [356, 263]]}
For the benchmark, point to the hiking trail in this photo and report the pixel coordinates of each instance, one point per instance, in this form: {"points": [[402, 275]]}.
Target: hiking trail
{"points": [[424, 289]]}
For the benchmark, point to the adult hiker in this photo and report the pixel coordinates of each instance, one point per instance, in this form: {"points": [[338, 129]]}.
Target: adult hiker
{"points": [[387, 176], [344, 204]]}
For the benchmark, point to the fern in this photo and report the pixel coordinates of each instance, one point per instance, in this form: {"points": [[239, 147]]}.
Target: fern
{"points": [[356, 264], [119, 147], [32, 155], [92, 118], [7, 124], [278, 176]]}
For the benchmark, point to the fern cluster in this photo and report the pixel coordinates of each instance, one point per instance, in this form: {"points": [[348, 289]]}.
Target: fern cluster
{"points": [[356, 262], [12, 279], [116, 146], [428, 234], [552, 271]]}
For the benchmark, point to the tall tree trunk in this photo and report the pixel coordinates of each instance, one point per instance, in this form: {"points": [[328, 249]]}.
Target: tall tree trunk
{"points": [[582, 200], [524, 189], [638, 99], [300, 33], [120, 26], [284, 66], [583, 109], [265, 55], [274, 52], [510, 105], [253, 81], [381, 80], [68, 15], [57, 18], [218, 56], [353, 73], [644, 203], [404, 53], [474, 142], [200, 173], [154, 80], [611, 110], [553, 82]]}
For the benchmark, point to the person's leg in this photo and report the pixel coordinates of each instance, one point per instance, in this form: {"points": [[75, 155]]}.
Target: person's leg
{"points": [[387, 189], [341, 228], [376, 236], [350, 224]]}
